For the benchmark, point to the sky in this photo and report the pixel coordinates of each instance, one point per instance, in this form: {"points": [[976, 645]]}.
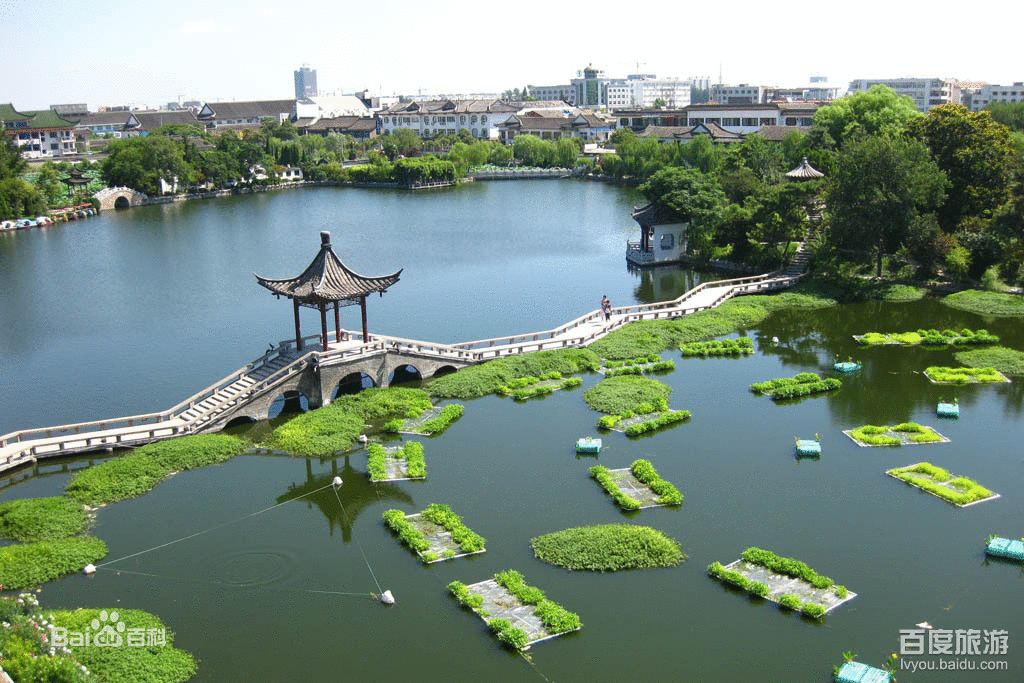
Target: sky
{"points": [[104, 52]]}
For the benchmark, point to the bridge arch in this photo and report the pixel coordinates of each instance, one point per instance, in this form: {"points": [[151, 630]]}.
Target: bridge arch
{"points": [[405, 374], [290, 402], [444, 370], [352, 383], [119, 198]]}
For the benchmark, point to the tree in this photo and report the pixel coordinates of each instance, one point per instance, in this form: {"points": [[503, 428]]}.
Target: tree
{"points": [[881, 184], [763, 158], [659, 103], [50, 186], [11, 163], [567, 151], [878, 111], [975, 153], [19, 199], [1010, 114], [691, 196]]}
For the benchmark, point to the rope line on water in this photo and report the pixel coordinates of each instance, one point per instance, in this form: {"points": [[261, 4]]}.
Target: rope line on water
{"points": [[213, 528], [211, 582], [358, 544]]}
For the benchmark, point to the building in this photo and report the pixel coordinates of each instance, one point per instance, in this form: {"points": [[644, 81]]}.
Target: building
{"points": [[245, 114], [738, 94], [662, 237], [358, 127], [561, 93], [38, 134], [645, 90], [926, 92], [141, 123], [590, 88], [447, 117], [305, 83], [330, 106], [988, 93], [586, 126], [683, 134]]}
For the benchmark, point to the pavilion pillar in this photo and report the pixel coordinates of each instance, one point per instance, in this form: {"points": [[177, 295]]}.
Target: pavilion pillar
{"points": [[298, 333], [323, 325], [362, 308], [337, 323]]}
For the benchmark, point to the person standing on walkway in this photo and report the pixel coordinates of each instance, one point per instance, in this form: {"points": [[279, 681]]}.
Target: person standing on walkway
{"points": [[606, 308]]}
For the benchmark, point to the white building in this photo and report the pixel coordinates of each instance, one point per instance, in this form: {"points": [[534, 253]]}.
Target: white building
{"points": [[38, 134], [926, 92], [330, 106], [447, 117], [996, 93], [643, 90], [737, 94], [562, 93]]}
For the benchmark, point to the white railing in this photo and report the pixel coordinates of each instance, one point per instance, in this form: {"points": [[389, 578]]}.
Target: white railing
{"points": [[151, 426]]}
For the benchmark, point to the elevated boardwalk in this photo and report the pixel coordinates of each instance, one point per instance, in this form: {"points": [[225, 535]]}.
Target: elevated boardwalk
{"points": [[249, 391]]}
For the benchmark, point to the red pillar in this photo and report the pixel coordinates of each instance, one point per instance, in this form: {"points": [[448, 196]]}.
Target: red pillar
{"points": [[298, 334], [362, 307], [337, 323], [323, 325]]}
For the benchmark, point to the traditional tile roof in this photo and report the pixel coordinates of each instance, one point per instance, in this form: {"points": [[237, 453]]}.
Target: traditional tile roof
{"points": [[655, 214], [9, 113], [341, 124], [243, 111], [327, 279], [779, 133], [450, 107], [805, 172], [46, 119], [684, 133], [150, 120], [104, 118]]}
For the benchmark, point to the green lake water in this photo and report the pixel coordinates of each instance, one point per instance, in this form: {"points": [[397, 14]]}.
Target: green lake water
{"points": [[283, 594]]}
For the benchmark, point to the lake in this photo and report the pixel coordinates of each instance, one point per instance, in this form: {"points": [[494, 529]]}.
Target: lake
{"points": [[133, 311]]}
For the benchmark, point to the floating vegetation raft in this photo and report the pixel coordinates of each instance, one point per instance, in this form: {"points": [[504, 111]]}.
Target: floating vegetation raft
{"points": [[987, 303], [948, 410], [523, 388], [1004, 547], [964, 337], [904, 434], [519, 615], [617, 395], [735, 348], [959, 491], [783, 580], [803, 384], [396, 463], [436, 534], [429, 422], [588, 445], [608, 548], [855, 672], [941, 375], [636, 366], [637, 487]]}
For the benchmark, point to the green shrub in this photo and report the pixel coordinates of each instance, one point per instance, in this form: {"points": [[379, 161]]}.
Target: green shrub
{"points": [[645, 473], [609, 547], [41, 519], [657, 423], [616, 395], [600, 473], [407, 533], [442, 515], [786, 566], [449, 414], [508, 634], [33, 564], [481, 380], [812, 610], [790, 601]]}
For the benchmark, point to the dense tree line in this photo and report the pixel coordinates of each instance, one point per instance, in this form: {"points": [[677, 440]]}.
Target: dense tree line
{"points": [[905, 193]]}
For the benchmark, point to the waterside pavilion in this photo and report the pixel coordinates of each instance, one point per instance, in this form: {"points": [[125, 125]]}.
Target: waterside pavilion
{"points": [[328, 282]]}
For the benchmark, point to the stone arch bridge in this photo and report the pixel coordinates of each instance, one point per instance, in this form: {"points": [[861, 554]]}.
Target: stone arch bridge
{"points": [[119, 198]]}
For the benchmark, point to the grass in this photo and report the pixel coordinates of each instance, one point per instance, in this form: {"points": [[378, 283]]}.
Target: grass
{"points": [[42, 519], [719, 347], [930, 337], [963, 375], [442, 515], [608, 547], [411, 453], [663, 420], [335, 427], [148, 664], [938, 482], [1006, 361], [486, 378], [987, 303], [877, 435], [645, 473], [600, 473], [555, 618], [803, 384], [617, 395], [132, 475], [33, 564], [786, 566]]}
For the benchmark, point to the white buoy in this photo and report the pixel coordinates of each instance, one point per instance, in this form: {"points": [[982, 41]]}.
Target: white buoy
{"points": [[363, 438], [89, 569], [775, 340], [387, 598], [336, 482]]}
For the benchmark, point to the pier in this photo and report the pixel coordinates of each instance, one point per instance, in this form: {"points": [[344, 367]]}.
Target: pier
{"points": [[314, 365]]}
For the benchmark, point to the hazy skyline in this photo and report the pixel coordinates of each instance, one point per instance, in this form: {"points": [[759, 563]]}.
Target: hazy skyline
{"points": [[107, 53]]}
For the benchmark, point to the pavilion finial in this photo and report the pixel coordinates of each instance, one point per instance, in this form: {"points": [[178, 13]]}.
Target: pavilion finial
{"points": [[325, 238]]}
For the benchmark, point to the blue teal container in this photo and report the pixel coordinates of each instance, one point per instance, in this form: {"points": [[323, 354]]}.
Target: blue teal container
{"points": [[855, 672], [808, 447], [588, 445], [1004, 547], [948, 410]]}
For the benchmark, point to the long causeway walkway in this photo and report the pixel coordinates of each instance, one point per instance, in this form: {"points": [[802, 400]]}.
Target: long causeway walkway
{"points": [[199, 412]]}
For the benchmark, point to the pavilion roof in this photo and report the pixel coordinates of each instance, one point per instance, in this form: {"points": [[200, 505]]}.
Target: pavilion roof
{"points": [[328, 279], [804, 171]]}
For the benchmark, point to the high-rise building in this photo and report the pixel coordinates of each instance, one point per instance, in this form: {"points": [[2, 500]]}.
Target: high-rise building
{"points": [[926, 92], [305, 83]]}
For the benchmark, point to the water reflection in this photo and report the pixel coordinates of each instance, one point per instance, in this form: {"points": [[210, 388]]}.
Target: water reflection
{"points": [[356, 493]]}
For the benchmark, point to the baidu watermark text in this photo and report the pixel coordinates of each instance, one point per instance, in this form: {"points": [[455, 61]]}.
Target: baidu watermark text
{"points": [[953, 649], [108, 631]]}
